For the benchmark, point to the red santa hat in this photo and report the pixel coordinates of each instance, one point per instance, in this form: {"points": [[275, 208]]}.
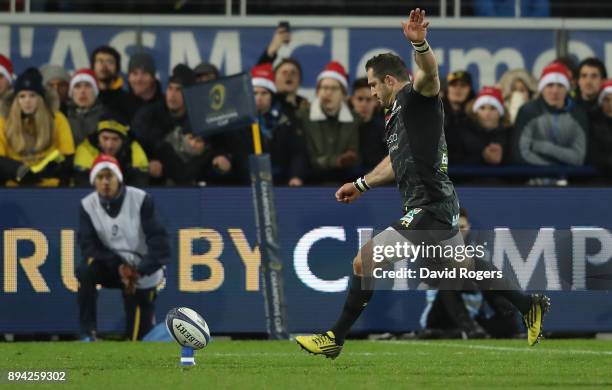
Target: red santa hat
{"points": [[263, 76], [606, 89], [335, 70], [555, 73], [104, 161], [6, 68], [84, 75], [492, 96]]}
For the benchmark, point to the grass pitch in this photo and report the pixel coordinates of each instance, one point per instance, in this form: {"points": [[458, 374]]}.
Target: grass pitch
{"points": [[450, 364]]}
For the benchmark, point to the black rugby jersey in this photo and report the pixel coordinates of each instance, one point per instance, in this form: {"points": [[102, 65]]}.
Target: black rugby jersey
{"points": [[417, 148]]}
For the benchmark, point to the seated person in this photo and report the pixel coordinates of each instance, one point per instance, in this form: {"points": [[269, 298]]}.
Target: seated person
{"points": [[36, 146], [331, 130], [175, 155], [458, 93], [372, 141], [124, 245], [57, 78], [552, 129], [280, 136], [486, 139], [112, 138], [84, 108], [600, 136]]}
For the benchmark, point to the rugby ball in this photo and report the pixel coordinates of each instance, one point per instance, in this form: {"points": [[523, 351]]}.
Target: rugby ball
{"points": [[187, 327]]}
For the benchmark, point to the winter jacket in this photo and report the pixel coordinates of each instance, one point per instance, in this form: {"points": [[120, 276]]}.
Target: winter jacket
{"points": [[372, 142], [549, 136], [117, 100], [475, 139], [600, 142], [327, 138], [55, 173], [83, 122], [132, 160]]}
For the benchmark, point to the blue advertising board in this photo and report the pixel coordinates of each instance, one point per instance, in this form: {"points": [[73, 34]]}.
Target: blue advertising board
{"points": [[487, 53], [215, 267]]}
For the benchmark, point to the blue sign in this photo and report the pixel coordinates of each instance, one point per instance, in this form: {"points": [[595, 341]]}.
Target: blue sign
{"points": [[215, 268], [487, 53]]}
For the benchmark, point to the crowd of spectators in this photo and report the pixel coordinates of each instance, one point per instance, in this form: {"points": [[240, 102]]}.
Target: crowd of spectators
{"points": [[53, 124]]}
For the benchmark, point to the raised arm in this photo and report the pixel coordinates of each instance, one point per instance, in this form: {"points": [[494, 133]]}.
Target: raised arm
{"points": [[426, 80]]}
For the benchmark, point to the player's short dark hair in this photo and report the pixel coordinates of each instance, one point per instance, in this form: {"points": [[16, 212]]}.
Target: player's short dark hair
{"points": [[594, 63], [359, 83], [388, 64]]}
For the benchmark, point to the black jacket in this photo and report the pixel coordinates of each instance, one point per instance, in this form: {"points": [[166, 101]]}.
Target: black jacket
{"points": [[600, 142], [475, 139], [158, 243]]}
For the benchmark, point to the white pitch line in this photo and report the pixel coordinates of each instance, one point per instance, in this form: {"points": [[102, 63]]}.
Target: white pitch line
{"points": [[509, 349]]}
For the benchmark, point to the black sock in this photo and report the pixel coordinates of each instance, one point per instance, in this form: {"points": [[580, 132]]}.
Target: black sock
{"points": [[504, 287], [356, 300]]}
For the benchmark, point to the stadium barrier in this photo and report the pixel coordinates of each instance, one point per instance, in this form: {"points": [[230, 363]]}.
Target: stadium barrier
{"points": [[215, 267]]}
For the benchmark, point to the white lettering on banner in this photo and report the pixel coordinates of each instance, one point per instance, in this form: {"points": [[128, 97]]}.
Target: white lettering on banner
{"points": [[339, 46], [226, 50], [69, 43], [26, 41], [123, 40], [577, 48], [183, 50], [5, 40], [580, 235], [544, 246], [300, 259], [486, 61]]}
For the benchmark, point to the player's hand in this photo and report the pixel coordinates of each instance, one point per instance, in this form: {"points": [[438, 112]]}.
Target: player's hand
{"points": [[347, 193], [281, 37], [129, 276], [415, 28]]}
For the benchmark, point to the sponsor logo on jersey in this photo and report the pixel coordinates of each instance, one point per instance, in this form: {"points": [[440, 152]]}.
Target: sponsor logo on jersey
{"points": [[409, 217]]}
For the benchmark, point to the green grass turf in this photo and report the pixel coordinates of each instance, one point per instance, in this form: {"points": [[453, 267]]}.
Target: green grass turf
{"points": [[451, 364]]}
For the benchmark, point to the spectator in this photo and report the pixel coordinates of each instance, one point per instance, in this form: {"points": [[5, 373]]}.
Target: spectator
{"points": [[112, 138], [6, 76], [459, 91], [36, 146], [552, 129], [280, 135], [486, 140], [84, 108], [591, 75], [331, 131], [57, 78], [372, 125], [106, 63], [175, 154], [143, 86], [124, 245], [206, 72], [600, 137], [288, 72], [518, 87]]}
